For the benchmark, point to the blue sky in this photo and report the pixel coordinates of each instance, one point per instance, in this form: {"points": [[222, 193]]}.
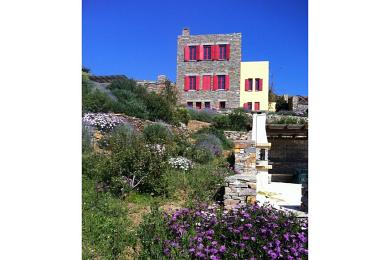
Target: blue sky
{"points": [[139, 38]]}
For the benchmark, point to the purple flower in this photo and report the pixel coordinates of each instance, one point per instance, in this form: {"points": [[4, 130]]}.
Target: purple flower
{"points": [[222, 249]]}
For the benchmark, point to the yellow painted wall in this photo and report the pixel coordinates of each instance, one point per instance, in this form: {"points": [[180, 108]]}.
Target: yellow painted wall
{"points": [[255, 69]]}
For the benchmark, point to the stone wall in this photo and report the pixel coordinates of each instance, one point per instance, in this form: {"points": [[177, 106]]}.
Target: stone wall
{"points": [[230, 67], [237, 135], [288, 154], [239, 190], [245, 157]]}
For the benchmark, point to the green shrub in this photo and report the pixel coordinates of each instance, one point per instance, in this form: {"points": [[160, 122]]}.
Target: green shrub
{"points": [[182, 115], [157, 134], [239, 120], [209, 142], [222, 122], [86, 139], [152, 233], [120, 138], [96, 101], [201, 115], [105, 225], [226, 144], [135, 166], [201, 155]]}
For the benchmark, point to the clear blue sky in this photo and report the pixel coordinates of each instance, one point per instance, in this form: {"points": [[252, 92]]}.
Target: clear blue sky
{"points": [[139, 38]]}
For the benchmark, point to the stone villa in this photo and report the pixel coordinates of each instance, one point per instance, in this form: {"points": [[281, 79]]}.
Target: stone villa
{"points": [[211, 75]]}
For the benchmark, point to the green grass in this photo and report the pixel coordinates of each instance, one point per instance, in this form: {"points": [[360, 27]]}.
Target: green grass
{"points": [[105, 224]]}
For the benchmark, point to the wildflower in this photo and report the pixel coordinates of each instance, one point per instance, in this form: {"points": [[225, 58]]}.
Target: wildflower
{"points": [[222, 249]]}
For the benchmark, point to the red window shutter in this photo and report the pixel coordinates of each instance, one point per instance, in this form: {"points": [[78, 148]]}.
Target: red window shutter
{"points": [[197, 52], [186, 83], [227, 51], [201, 52], [227, 82], [197, 83], [257, 105], [261, 84], [206, 82], [215, 82], [186, 53], [246, 84], [215, 52], [245, 105]]}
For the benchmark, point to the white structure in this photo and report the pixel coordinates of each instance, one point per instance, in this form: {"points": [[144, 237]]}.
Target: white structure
{"points": [[259, 136], [278, 193]]}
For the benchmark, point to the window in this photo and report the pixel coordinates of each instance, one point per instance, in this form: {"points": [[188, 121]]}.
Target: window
{"points": [[192, 82], [250, 84], [192, 52], [258, 85], [190, 104], [262, 155], [207, 105], [198, 105], [221, 81], [249, 105], [222, 52], [222, 105], [257, 106], [207, 52]]}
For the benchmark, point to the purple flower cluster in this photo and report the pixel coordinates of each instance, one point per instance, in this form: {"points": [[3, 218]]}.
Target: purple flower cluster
{"points": [[102, 121], [249, 232]]}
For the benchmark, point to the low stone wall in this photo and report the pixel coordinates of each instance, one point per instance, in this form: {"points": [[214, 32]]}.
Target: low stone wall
{"points": [[237, 135], [239, 190], [245, 157]]}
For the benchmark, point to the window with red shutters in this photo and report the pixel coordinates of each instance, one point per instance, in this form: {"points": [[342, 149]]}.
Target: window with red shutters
{"points": [[245, 106], [207, 52], [206, 82], [192, 84], [193, 52], [248, 84], [221, 81], [257, 106], [259, 84], [249, 106], [222, 52]]}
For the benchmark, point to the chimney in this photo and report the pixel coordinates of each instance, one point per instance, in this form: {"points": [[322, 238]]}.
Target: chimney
{"points": [[186, 32]]}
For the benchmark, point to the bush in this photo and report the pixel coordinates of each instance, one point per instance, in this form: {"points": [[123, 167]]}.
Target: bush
{"points": [[200, 183], [201, 155], [86, 137], [202, 115], [251, 232], [96, 101], [209, 142], [239, 120], [105, 224], [181, 115], [221, 122], [134, 166], [226, 144], [281, 104], [157, 134]]}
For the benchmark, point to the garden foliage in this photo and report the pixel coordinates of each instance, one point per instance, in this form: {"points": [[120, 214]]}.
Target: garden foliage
{"points": [[202, 232]]}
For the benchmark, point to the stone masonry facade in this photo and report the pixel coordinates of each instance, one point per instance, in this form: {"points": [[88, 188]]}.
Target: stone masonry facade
{"points": [[240, 189], [230, 67]]}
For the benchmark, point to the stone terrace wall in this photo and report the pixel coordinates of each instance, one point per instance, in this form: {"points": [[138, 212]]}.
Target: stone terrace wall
{"points": [[239, 190], [237, 135], [245, 157]]}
